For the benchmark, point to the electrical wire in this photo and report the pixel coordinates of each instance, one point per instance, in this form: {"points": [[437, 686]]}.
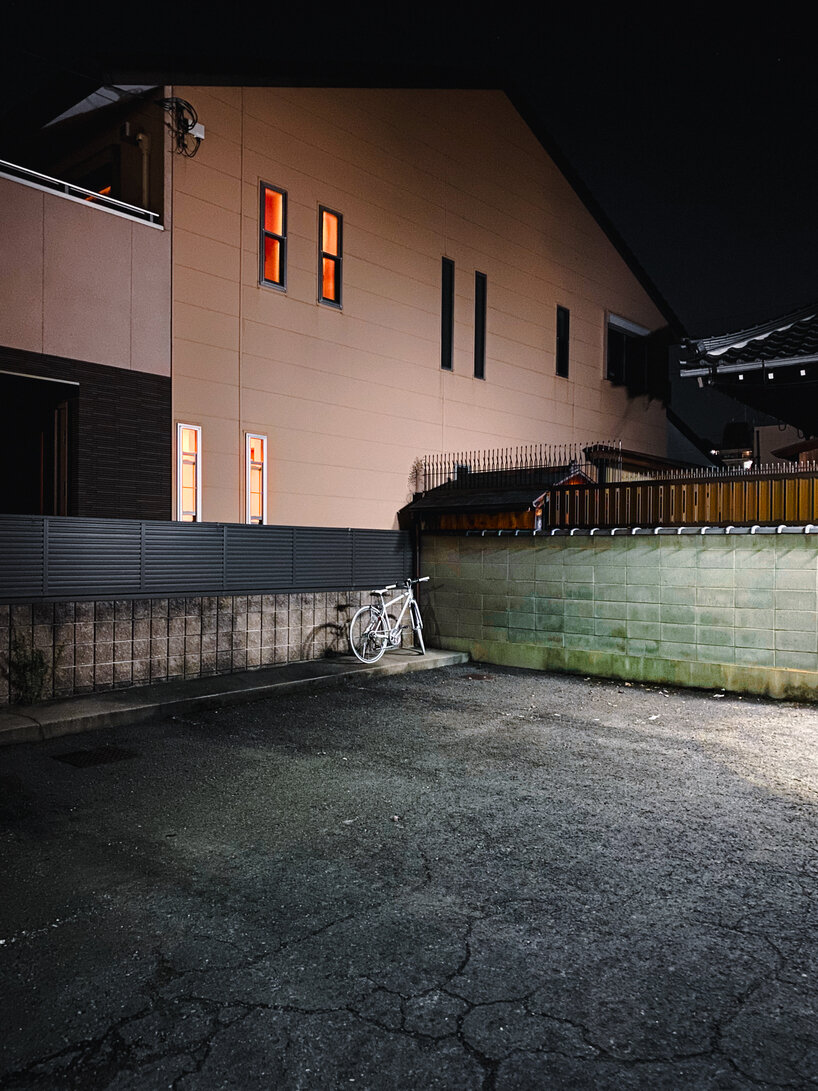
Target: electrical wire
{"points": [[183, 120]]}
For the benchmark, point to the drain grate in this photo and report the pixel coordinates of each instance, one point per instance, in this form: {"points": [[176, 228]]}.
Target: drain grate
{"points": [[102, 755]]}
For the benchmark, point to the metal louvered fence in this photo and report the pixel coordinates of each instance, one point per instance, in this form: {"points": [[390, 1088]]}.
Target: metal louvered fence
{"points": [[55, 558]]}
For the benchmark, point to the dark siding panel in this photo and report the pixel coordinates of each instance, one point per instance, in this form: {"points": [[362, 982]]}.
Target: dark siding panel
{"points": [[120, 436]]}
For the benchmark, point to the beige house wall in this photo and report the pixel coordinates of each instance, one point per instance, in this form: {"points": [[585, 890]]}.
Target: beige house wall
{"points": [[349, 399], [79, 282]]}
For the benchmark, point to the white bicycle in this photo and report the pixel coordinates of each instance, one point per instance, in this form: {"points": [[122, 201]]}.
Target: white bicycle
{"points": [[373, 629]]}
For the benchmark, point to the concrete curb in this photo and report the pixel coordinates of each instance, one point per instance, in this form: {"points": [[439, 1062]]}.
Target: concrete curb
{"points": [[35, 723]]}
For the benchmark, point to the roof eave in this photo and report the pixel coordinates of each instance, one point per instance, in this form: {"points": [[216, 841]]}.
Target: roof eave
{"points": [[716, 368]]}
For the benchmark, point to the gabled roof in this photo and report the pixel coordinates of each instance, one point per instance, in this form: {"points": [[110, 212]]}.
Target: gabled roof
{"points": [[37, 89]]}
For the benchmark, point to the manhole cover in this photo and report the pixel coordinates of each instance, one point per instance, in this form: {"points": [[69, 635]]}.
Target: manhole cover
{"points": [[102, 755], [480, 677]]}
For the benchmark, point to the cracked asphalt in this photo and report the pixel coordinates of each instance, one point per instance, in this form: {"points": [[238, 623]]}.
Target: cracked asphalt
{"points": [[466, 878]]}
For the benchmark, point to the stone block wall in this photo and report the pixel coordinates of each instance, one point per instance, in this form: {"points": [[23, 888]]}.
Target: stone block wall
{"points": [[732, 611], [90, 646]]}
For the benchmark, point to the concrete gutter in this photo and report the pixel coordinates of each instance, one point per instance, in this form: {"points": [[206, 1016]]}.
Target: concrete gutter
{"points": [[35, 723]]}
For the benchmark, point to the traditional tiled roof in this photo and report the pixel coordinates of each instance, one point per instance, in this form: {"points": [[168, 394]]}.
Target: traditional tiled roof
{"points": [[772, 367], [788, 340], [517, 497]]}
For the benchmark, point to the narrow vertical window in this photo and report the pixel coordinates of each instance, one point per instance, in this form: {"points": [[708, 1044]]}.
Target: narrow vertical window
{"points": [[479, 325], [447, 314], [273, 241], [329, 256], [563, 340], [189, 473], [256, 479]]}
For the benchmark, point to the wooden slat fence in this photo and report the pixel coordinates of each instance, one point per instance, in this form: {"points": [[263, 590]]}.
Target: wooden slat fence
{"points": [[746, 499]]}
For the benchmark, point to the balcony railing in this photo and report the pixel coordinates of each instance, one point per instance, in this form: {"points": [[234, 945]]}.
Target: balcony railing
{"points": [[76, 193]]}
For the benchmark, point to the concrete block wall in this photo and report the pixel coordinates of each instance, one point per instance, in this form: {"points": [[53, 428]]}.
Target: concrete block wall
{"points": [[91, 646], [735, 611]]}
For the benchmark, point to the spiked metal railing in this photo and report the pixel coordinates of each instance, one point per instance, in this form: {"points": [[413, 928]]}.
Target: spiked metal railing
{"points": [[602, 492], [508, 466]]}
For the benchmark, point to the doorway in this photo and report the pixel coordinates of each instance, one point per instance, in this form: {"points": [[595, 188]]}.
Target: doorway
{"points": [[36, 416]]}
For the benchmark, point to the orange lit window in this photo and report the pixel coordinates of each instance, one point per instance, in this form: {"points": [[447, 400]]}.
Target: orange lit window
{"points": [[329, 256], [256, 484], [273, 239], [189, 474], [104, 192]]}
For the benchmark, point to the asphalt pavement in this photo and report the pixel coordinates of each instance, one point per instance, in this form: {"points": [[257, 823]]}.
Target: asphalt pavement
{"points": [[136, 704], [471, 877]]}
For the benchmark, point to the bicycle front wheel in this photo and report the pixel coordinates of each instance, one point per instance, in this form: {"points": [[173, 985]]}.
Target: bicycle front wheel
{"points": [[417, 625], [368, 635]]}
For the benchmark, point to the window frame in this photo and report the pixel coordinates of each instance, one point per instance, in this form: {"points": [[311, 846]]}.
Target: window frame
{"points": [[627, 329], [447, 287], [480, 312], [249, 437], [280, 286], [337, 258], [562, 346], [180, 514]]}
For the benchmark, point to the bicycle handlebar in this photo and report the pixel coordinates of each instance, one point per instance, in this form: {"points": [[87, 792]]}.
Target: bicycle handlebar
{"points": [[393, 586]]}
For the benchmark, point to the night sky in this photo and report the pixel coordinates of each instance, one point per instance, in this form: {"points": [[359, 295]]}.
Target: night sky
{"points": [[696, 135], [699, 141]]}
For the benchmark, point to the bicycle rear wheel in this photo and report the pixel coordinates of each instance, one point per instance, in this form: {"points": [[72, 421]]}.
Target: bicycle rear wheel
{"points": [[368, 634]]}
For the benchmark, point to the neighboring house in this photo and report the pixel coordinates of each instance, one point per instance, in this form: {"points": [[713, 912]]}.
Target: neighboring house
{"points": [[329, 284], [772, 367], [514, 489]]}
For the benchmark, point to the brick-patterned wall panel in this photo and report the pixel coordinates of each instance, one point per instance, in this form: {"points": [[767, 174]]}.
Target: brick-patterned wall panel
{"points": [[93, 646]]}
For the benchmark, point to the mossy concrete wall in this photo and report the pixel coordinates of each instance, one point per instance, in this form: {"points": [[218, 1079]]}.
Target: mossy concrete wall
{"points": [[732, 611]]}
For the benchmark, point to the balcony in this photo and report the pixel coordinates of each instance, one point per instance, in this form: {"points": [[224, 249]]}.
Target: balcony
{"points": [[72, 192]]}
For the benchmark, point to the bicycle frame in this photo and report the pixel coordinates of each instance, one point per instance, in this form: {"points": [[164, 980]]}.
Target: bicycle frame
{"points": [[407, 597]]}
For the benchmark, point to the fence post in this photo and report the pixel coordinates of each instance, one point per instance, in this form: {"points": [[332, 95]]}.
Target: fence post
{"points": [[142, 535], [224, 557], [45, 557]]}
